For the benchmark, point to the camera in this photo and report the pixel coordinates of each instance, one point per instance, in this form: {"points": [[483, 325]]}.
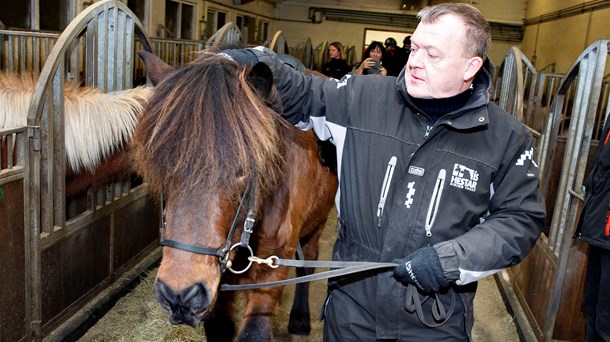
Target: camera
{"points": [[374, 70]]}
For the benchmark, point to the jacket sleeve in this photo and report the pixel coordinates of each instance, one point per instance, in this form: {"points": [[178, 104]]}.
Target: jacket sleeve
{"points": [[304, 96], [514, 221]]}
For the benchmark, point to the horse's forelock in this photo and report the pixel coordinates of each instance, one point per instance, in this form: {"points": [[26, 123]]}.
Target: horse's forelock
{"points": [[205, 125]]}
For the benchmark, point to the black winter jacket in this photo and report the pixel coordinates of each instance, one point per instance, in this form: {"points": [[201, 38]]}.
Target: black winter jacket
{"points": [[594, 224], [467, 185]]}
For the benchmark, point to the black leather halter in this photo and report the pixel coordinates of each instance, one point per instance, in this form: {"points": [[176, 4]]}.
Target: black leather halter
{"points": [[223, 252]]}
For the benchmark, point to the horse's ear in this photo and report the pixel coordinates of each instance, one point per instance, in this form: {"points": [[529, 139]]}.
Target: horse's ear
{"points": [[156, 68], [261, 79]]}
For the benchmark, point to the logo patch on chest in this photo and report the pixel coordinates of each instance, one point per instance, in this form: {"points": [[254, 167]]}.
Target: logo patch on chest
{"points": [[417, 171], [463, 177]]}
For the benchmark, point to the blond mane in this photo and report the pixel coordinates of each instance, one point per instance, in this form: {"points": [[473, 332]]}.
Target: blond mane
{"points": [[97, 123]]}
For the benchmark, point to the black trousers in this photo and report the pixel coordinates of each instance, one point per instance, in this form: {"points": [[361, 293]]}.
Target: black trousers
{"points": [[346, 320], [596, 301]]}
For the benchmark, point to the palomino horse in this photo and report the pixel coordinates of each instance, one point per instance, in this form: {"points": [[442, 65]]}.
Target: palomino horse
{"points": [[98, 127], [211, 138]]}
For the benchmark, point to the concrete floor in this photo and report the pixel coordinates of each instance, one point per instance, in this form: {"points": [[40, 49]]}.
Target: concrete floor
{"points": [[142, 319]]}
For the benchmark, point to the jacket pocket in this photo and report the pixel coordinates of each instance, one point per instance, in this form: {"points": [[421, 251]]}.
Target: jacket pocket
{"points": [[385, 188], [435, 201]]}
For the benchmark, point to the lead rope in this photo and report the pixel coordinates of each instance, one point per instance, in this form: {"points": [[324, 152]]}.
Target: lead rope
{"points": [[413, 304], [340, 268]]}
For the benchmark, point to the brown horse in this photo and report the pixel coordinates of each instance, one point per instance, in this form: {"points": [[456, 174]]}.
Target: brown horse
{"points": [[210, 139], [98, 128]]}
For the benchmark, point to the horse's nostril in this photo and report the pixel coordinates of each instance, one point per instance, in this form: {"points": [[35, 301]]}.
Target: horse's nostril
{"points": [[195, 298], [165, 295], [185, 307]]}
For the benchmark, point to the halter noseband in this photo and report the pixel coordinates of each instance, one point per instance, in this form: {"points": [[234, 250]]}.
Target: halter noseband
{"points": [[223, 252]]}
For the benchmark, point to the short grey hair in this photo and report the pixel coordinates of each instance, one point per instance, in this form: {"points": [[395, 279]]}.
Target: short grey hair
{"points": [[478, 30]]}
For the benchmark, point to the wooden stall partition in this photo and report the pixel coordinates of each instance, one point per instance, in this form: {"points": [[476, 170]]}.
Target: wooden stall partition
{"points": [[303, 50], [278, 43], [350, 55], [320, 55], [15, 251], [229, 33]]}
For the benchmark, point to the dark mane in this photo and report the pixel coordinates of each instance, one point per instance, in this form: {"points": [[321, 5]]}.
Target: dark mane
{"points": [[206, 126]]}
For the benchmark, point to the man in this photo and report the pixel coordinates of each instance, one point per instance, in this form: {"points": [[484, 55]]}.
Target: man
{"points": [[594, 229], [406, 44], [395, 58], [432, 177]]}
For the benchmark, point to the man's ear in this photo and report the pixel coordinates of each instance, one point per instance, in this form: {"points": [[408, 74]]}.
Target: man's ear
{"points": [[156, 68], [473, 66], [261, 79]]}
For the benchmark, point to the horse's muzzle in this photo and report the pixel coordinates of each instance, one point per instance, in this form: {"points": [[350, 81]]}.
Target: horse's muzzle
{"points": [[185, 307]]}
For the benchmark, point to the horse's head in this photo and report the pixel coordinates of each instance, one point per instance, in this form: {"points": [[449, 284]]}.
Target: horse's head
{"points": [[208, 133]]}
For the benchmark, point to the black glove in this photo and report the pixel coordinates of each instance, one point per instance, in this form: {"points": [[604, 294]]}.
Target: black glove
{"points": [[241, 56], [421, 268]]}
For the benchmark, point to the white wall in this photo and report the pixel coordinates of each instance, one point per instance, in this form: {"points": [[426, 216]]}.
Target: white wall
{"points": [[563, 39], [292, 20]]}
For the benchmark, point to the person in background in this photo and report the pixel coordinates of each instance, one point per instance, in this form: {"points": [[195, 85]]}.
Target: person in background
{"points": [[396, 57], [433, 177], [337, 67], [372, 61], [406, 44], [594, 228]]}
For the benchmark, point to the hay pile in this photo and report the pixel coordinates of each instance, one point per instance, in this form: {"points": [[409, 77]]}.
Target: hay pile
{"points": [[138, 317]]}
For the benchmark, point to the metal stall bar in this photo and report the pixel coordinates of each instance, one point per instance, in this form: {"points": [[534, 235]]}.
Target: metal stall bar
{"points": [[46, 215], [590, 68]]}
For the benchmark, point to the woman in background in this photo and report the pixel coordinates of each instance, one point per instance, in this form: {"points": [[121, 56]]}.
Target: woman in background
{"points": [[371, 61], [337, 67]]}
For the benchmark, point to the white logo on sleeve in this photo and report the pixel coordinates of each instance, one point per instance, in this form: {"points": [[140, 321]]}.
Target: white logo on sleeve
{"points": [[529, 154], [410, 194], [463, 177]]}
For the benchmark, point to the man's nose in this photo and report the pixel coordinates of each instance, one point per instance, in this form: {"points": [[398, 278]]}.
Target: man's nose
{"points": [[415, 59]]}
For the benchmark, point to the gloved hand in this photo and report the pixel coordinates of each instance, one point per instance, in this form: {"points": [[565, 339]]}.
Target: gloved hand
{"points": [[421, 268], [241, 56]]}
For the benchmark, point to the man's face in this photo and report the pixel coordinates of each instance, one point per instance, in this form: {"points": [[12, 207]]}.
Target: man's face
{"points": [[437, 66], [390, 49]]}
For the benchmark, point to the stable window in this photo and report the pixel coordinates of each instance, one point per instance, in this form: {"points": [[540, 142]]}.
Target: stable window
{"points": [[215, 20], [19, 15], [263, 31], [54, 15], [179, 20], [14, 14], [138, 7], [246, 27], [221, 20]]}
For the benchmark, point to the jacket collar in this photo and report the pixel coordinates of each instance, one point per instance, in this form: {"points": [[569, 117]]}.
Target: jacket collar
{"points": [[473, 114]]}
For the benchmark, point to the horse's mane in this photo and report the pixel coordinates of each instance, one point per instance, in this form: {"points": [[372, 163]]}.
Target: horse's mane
{"points": [[97, 123], [206, 126]]}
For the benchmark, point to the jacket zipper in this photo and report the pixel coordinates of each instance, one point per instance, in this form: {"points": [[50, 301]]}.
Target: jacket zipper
{"points": [[434, 202], [428, 130], [385, 188]]}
